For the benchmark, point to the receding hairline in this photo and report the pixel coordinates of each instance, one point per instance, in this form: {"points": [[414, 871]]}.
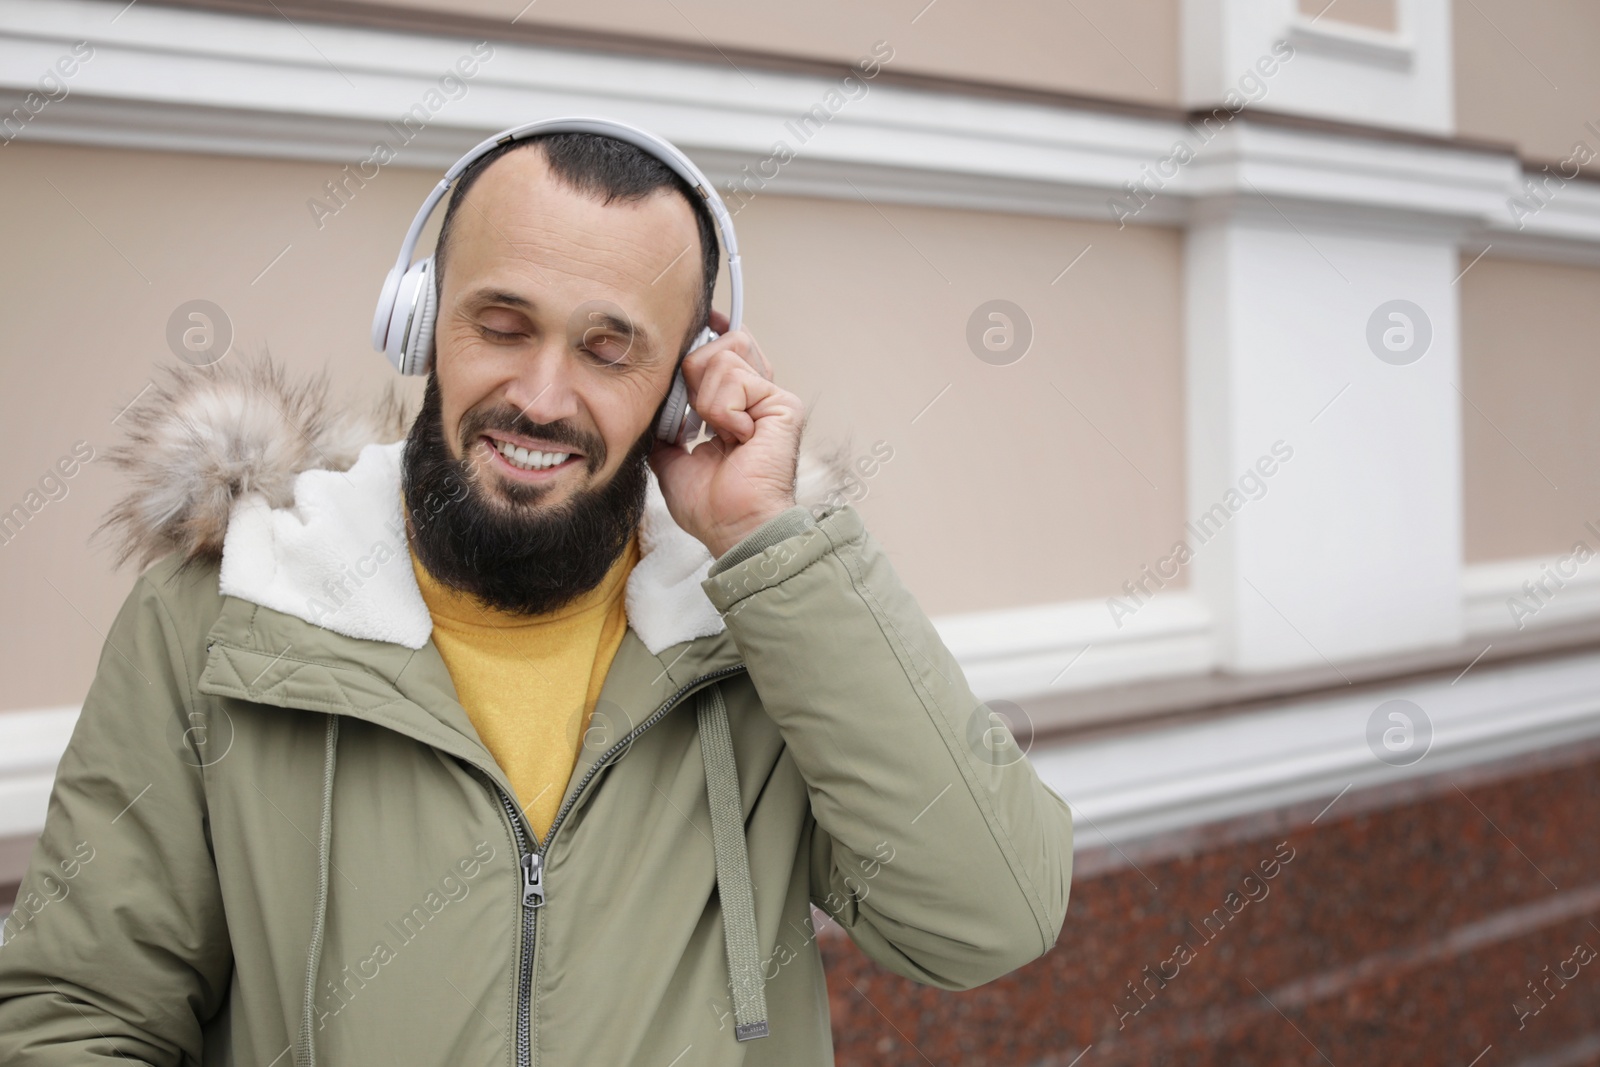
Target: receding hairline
{"points": [[557, 178]]}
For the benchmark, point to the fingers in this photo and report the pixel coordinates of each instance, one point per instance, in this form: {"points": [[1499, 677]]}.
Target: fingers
{"points": [[727, 378], [727, 389], [724, 388], [739, 340]]}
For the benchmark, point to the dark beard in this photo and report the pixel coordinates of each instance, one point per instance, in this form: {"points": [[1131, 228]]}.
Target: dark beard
{"points": [[522, 558]]}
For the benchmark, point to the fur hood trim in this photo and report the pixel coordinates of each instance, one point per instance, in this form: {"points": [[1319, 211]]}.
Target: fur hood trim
{"points": [[198, 439]]}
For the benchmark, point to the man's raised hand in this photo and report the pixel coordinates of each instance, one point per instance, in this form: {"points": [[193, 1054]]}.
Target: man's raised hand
{"points": [[744, 474]]}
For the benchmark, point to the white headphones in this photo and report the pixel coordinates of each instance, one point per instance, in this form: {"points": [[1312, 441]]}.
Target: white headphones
{"points": [[402, 328]]}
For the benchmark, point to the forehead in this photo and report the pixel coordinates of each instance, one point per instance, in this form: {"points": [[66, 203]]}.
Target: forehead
{"points": [[526, 227]]}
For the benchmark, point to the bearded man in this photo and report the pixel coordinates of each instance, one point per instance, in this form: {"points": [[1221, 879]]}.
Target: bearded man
{"points": [[522, 737]]}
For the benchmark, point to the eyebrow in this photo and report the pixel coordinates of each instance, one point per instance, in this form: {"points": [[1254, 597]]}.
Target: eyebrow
{"points": [[633, 335]]}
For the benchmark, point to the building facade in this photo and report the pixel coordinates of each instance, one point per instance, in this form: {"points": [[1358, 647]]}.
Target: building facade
{"points": [[1241, 352]]}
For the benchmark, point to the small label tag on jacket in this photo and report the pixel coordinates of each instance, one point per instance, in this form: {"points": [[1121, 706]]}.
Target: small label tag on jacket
{"points": [[750, 1031]]}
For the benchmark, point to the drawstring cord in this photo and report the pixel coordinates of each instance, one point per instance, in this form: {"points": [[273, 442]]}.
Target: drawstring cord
{"points": [[306, 1054], [734, 884]]}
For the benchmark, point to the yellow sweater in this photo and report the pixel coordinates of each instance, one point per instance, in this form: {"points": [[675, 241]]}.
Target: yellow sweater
{"points": [[530, 683]]}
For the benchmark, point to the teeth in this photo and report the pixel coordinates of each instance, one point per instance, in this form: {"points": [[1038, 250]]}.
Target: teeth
{"points": [[532, 461]]}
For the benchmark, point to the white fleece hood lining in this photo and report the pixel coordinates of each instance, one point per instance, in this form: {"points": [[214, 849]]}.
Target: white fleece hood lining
{"points": [[337, 558]]}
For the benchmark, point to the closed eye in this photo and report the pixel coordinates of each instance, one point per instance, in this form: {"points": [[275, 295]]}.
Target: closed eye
{"points": [[611, 354]]}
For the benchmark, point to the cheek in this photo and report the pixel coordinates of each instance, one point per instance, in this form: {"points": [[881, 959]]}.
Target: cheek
{"points": [[620, 419], [451, 411], [625, 408]]}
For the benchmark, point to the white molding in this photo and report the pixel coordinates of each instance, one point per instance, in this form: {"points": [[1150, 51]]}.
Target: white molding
{"points": [[31, 743], [266, 93], [1173, 778], [200, 81], [1021, 652], [1077, 645], [1523, 594], [1566, 229], [1344, 181], [1355, 44]]}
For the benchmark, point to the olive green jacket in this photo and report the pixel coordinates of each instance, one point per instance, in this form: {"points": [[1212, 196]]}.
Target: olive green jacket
{"points": [[274, 841]]}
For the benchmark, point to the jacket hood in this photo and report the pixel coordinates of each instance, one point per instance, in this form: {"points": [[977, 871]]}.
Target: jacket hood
{"points": [[297, 497]]}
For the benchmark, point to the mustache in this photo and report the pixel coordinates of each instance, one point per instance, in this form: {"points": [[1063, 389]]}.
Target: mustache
{"points": [[509, 420]]}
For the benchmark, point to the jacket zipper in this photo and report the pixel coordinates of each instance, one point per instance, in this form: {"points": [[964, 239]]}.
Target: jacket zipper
{"points": [[531, 860], [523, 834]]}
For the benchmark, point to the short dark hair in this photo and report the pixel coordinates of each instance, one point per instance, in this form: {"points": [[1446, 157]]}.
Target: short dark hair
{"points": [[606, 168]]}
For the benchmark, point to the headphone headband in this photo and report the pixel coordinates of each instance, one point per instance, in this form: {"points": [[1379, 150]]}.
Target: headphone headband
{"points": [[385, 328]]}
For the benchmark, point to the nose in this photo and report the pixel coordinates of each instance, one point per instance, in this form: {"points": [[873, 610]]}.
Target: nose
{"points": [[543, 388]]}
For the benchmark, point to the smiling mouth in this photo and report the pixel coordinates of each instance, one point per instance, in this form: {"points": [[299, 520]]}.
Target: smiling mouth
{"points": [[529, 460]]}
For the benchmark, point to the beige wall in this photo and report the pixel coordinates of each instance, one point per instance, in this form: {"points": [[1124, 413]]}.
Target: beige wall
{"points": [[1532, 426], [84, 327], [1000, 494], [1527, 74], [1125, 49]]}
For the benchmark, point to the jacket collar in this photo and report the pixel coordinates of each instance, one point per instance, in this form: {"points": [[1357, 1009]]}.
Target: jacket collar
{"points": [[265, 656], [336, 557]]}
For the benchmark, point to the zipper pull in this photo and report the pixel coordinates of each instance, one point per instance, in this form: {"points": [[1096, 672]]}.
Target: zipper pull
{"points": [[532, 880]]}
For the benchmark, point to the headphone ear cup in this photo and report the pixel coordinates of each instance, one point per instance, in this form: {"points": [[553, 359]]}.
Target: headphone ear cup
{"points": [[383, 317], [692, 423], [411, 322], [680, 423], [670, 426], [419, 349]]}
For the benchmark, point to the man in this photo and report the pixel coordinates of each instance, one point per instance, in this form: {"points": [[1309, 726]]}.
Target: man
{"points": [[525, 739]]}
